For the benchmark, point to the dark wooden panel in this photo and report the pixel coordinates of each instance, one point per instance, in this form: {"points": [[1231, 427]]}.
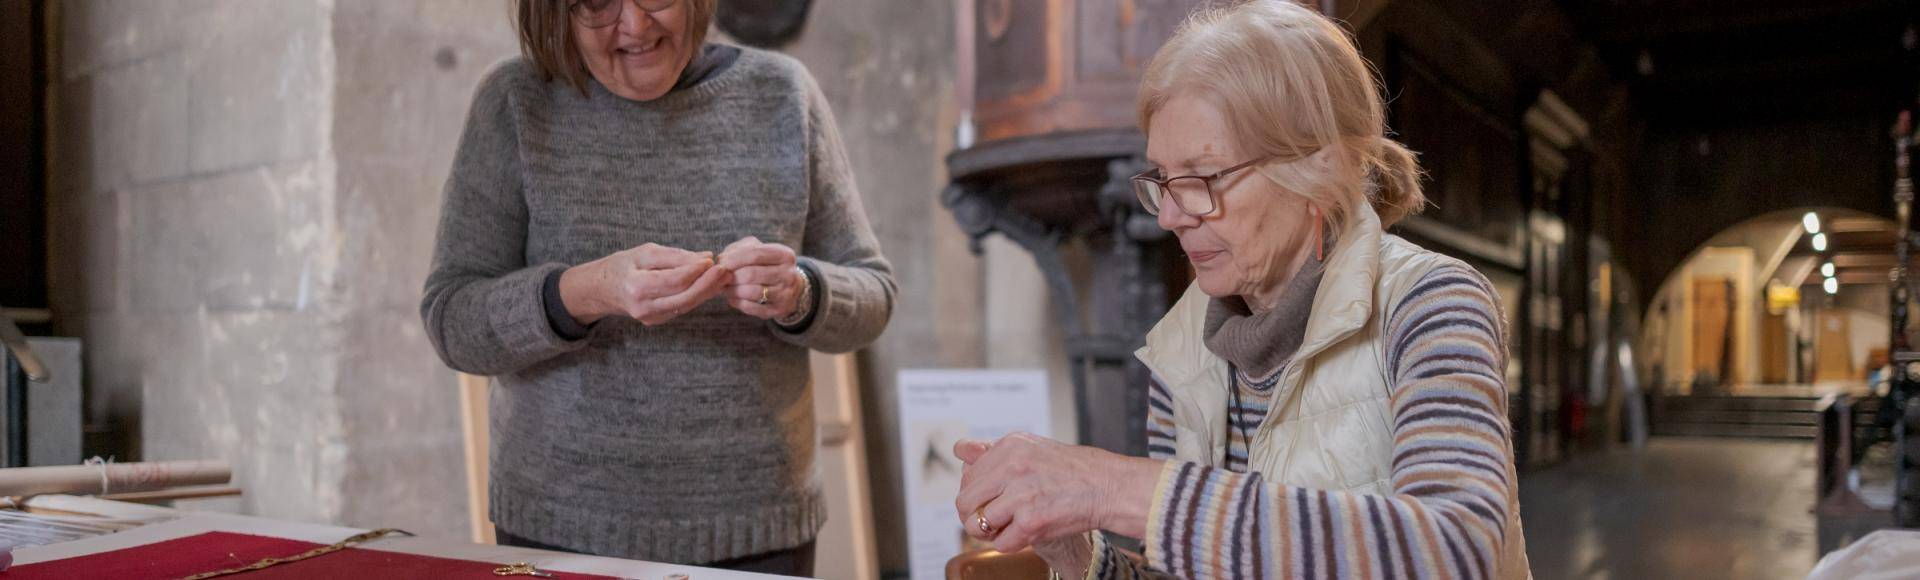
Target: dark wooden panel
{"points": [[1013, 51], [1470, 150], [1053, 66], [1151, 23], [23, 250], [1696, 181]]}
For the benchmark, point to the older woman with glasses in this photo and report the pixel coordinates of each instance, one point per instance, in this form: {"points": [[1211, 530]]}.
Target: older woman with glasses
{"points": [[643, 235], [1327, 400]]}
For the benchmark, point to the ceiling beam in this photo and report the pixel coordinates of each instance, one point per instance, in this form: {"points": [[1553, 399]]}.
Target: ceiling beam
{"points": [[1833, 68], [1856, 278], [1863, 260], [1664, 19]]}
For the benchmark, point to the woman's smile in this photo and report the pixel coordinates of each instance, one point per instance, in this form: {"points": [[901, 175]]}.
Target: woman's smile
{"points": [[640, 53]]}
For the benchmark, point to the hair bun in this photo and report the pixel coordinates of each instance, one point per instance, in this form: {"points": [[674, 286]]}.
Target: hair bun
{"points": [[1398, 170]]}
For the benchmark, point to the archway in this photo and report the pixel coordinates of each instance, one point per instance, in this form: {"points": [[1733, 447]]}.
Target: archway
{"points": [[1793, 302]]}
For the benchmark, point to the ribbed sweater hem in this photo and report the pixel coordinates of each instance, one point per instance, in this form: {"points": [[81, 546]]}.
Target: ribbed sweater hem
{"points": [[636, 535]]}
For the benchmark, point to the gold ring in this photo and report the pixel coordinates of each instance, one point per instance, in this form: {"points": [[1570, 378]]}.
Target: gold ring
{"points": [[982, 520], [764, 299]]}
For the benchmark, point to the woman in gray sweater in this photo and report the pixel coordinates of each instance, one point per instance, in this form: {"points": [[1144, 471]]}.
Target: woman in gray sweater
{"points": [[643, 235]]}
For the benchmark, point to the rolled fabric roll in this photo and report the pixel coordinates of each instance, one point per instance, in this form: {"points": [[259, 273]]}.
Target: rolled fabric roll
{"points": [[113, 477]]}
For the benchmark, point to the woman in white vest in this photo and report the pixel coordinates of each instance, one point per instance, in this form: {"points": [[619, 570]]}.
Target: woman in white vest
{"points": [[1327, 400]]}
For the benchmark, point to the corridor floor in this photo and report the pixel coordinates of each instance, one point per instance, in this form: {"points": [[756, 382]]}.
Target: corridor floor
{"points": [[1681, 508]]}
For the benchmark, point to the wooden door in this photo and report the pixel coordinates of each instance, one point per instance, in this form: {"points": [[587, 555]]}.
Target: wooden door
{"points": [[1712, 325], [1833, 347], [1775, 351]]}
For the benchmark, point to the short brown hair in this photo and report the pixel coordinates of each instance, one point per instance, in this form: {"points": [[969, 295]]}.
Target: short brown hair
{"points": [[546, 36]]}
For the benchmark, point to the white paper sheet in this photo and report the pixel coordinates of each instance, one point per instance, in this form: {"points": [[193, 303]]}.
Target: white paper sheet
{"points": [[938, 408]]}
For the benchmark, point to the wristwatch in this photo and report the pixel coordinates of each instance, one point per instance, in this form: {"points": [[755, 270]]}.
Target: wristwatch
{"points": [[803, 305]]}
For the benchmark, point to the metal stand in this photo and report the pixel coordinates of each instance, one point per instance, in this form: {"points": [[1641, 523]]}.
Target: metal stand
{"points": [[1897, 412], [13, 451], [21, 366]]}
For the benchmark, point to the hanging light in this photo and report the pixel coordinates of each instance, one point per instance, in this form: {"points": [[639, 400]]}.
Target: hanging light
{"points": [[1826, 269], [1819, 242], [1832, 286], [1811, 221]]}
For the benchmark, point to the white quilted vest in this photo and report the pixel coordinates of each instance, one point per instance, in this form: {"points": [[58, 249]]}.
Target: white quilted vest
{"points": [[1329, 426]]}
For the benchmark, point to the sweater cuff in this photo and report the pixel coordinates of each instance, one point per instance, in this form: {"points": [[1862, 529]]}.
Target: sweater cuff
{"points": [[519, 318], [1107, 561], [1188, 504], [557, 316], [844, 301]]}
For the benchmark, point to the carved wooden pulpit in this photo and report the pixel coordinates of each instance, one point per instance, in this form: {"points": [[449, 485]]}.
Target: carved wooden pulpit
{"points": [[1044, 159]]}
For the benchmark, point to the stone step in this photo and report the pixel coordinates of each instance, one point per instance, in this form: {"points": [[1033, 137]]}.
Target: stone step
{"points": [[1731, 403], [1737, 430], [1795, 417], [1740, 417]]}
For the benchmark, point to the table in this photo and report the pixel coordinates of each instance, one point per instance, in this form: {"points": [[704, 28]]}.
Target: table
{"points": [[167, 524]]}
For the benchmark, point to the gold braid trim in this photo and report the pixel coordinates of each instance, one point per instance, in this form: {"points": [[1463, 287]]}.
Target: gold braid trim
{"points": [[320, 551]]}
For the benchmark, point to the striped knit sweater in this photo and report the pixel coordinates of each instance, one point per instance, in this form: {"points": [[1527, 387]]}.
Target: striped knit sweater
{"points": [[1446, 516], [1245, 412]]}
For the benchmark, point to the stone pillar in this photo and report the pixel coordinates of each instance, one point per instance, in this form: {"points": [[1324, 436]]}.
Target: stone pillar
{"points": [[887, 68], [404, 77]]}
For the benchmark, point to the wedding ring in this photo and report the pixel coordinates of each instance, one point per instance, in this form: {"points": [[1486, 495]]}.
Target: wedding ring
{"points": [[982, 520], [764, 299]]}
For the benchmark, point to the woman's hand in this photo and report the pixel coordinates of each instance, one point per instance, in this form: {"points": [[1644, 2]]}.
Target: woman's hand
{"points": [[1033, 491], [766, 285], [652, 283]]}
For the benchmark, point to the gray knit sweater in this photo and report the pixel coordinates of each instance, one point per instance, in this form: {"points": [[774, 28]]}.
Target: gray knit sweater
{"points": [[689, 442]]}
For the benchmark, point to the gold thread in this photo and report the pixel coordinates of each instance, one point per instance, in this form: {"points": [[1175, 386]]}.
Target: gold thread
{"points": [[320, 551]]}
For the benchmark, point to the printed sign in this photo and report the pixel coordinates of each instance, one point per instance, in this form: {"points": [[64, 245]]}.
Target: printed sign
{"points": [[937, 409]]}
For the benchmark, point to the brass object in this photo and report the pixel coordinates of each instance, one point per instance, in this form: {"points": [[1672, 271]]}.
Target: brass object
{"points": [[520, 569], [988, 564]]}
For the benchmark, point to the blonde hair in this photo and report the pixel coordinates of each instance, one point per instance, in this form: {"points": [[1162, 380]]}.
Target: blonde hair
{"points": [[546, 37], [1292, 85]]}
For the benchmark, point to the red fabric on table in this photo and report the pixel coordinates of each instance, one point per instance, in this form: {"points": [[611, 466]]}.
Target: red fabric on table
{"points": [[179, 558]]}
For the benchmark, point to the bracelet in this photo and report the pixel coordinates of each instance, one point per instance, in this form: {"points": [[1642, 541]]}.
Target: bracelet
{"points": [[803, 305]]}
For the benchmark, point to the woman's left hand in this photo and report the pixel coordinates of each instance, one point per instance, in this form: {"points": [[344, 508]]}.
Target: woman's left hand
{"points": [[1032, 489], [766, 284]]}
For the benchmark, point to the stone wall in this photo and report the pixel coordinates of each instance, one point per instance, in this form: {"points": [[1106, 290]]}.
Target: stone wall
{"points": [[195, 240], [243, 201]]}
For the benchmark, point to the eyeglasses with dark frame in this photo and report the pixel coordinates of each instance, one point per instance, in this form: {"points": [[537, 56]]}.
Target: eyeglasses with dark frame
{"points": [[604, 13], [1193, 194]]}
